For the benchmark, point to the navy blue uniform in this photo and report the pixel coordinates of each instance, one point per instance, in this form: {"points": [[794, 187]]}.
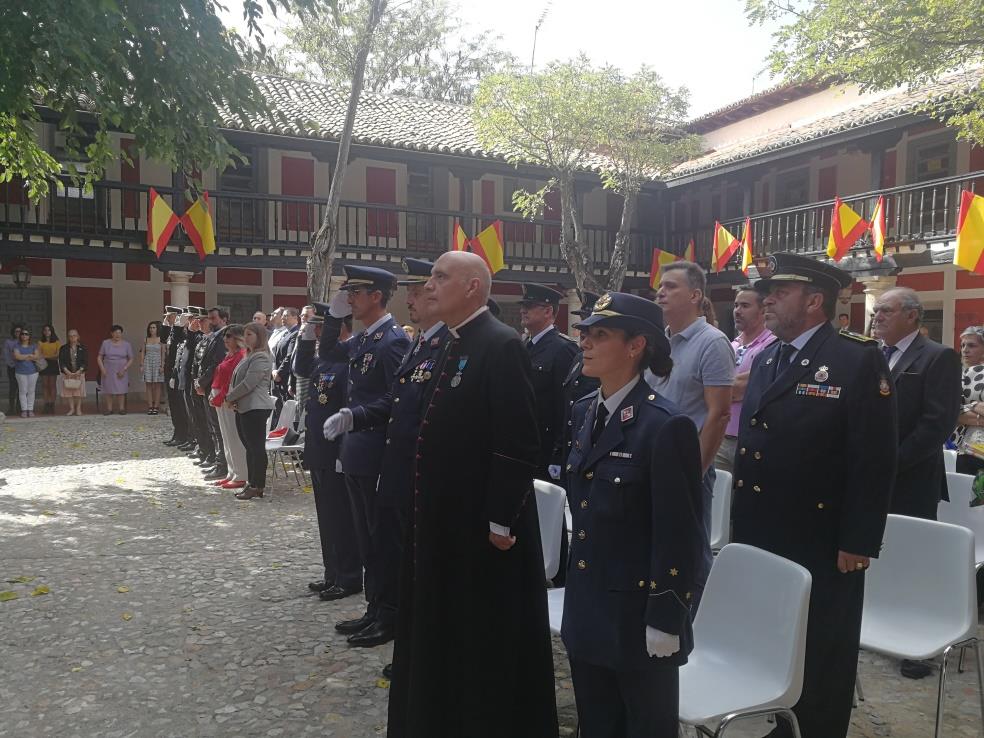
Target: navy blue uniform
{"points": [[328, 374], [175, 402], [635, 499], [399, 412], [551, 357], [813, 474]]}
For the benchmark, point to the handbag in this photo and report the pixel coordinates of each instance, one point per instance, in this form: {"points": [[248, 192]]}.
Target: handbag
{"points": [[41, 364], [71, 384]]}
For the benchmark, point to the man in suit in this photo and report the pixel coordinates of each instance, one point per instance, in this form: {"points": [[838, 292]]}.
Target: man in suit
{"points": [[927, 379], [281, 372], [213, 354], [399, 413], [175, 405], [817, 448], [473, 655], [375, 354]]}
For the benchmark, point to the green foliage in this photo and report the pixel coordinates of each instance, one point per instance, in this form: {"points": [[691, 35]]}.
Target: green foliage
{"points": [[418, 49], [882, 44], [167, 71]]}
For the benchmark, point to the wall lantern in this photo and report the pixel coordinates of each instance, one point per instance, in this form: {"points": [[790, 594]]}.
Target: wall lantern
{"points": [[22, 276]]}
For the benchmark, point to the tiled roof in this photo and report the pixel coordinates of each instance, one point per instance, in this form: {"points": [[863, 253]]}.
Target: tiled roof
{"points": [[867, 112]]}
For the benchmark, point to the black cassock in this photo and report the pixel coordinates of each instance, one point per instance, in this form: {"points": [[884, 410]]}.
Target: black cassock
{"points": [[473, 654]]}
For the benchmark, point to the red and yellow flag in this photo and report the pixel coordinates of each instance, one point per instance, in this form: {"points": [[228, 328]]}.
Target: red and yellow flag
{"points": [[725, 246], [746, 247], [846, 227], [878, 229], [161, 222], [690, 252], [660, 259], [488, 244], [969, 252], [459, 241], [197, 222]]}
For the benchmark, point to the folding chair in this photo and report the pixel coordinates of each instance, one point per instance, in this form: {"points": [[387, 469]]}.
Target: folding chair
{"points": [[550, 501], [920, 598], [721, 511], [766, 599], [285, 420]]}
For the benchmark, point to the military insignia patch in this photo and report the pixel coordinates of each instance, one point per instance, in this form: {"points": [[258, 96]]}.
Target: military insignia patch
{"points": [[884, 388], [377, 336], [323, 399], [603, 302], [435, 342], [826, 391], [822, 374], [627, 414]]}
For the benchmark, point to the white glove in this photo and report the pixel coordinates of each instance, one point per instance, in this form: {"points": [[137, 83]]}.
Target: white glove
{"points": [[661, 644], [307, 332], [554, 471], [338, 306], [337, 424], [182, 321], [170, 383]]}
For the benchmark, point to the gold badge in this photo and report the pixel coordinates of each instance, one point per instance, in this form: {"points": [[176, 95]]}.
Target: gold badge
{"points": [[323, 399], [603, 302], [884, 388]]}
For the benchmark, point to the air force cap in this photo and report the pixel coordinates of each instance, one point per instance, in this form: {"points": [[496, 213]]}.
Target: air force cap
{"points": [[373, 278], [418, 271], [628, 312], [540, 294]]}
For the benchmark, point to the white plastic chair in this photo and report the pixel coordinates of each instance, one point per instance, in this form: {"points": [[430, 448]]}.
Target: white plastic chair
{"points": [[550, 501], [950, 460], [920, 598], [555, 609], [959, 512], [721, 510], [285, 420], [766, 599]]}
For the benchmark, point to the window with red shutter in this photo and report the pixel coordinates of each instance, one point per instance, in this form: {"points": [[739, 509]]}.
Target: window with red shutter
{"points": [[381, 190], [297, 180], [130, 175]]}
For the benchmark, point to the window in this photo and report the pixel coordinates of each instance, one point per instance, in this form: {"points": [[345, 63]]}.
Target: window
{"points": [[381, 190], [793, 188], [930, 158]]}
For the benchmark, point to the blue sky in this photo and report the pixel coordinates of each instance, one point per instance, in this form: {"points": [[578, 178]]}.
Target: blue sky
{"points": [[706, 45]]}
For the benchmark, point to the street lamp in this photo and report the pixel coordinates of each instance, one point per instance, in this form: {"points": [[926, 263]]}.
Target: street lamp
{"points": [[22, 276]]}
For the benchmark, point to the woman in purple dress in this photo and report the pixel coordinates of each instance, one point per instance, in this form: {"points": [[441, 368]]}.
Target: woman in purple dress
{"points": [[115, 357]]}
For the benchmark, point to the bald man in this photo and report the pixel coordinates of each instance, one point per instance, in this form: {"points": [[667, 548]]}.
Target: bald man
{"points": [[473, 653]]}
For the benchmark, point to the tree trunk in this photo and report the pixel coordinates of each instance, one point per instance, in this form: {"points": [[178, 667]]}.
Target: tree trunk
{"points": [[573, 251], [325, 241], [620, 254]]}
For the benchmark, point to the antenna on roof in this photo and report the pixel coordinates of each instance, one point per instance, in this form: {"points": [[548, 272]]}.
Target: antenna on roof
{"points": [[758, 74], [536, 30]]}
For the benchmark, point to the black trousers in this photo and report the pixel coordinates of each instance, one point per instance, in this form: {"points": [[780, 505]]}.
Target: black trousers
{"points": [[13, 398], [215, 434], [387, 533], [251, 427], [833, 635], [179, 414], [362, 497], [641, 703], [339, 549], [199, 423]]}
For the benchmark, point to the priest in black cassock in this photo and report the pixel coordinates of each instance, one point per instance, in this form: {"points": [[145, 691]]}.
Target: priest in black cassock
{"points": [[473, 654]]}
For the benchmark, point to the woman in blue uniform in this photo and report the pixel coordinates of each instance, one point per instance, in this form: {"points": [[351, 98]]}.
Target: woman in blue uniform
{"points": [[634, 489]]}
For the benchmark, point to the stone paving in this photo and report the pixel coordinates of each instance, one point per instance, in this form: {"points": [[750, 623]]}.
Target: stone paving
{"points": [[135, 602]]}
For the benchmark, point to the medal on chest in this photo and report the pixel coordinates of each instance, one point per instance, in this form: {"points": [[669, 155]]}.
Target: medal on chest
{"points": [[366, 363], [462, 363], [423, 371], [325, 383]]}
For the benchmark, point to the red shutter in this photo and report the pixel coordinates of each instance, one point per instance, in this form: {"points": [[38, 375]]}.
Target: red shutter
{"points": [[13, 192], [130, 175], [488, 201], [297, 180], [381, 190], [89, 310], [827, 185], [551, 212], [888, 169], [977, 165]]}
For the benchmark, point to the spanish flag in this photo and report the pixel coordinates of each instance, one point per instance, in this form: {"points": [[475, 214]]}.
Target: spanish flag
{"points": [[878, 229], [725, 246], [660, 259], [746, 247], [846, 227], [690, 253], [197, 222], [459, 241], [488, 244], [161, 222], [969, 253]]}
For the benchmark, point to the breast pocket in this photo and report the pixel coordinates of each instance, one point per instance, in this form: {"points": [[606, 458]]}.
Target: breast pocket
{"points": [[542, 372]]}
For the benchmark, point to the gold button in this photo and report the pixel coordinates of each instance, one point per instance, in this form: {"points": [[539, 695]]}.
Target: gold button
{"points": [[741, 482], [742, 451], [584, 504], [589, 475], [618, 480], [754, 421], [642, 583], [582, 564], [758, 455], [396, 399], [819, 506], [568, 467], [652, 397], [756, 488], [582, 535], [765, 426], [403, 380]]}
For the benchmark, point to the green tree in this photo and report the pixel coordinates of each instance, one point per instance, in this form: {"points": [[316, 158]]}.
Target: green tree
{"points": [[418, 49], [883, 44], [167, 71]]}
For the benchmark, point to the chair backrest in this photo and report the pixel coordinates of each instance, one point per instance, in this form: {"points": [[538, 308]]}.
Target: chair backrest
{"points": [[926, 569], [721, 510], [959, 512], [766, 599], [950, 460], [550, 508], [287, 414]]}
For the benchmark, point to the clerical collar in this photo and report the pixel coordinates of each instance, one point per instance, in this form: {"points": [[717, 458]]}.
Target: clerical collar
{"points": [[378, 324], [429, 333], [466, 321]]}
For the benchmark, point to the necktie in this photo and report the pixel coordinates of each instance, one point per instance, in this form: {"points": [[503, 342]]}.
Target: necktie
{"points": [[786, 351], [599, 424], [529, 344], [888, 351]]}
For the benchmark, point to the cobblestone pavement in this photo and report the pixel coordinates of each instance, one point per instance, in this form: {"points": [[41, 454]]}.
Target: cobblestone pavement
{"points": [[147, 605]]}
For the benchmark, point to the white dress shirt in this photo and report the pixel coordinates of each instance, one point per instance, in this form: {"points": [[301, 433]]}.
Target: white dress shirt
{"points": [[902, 346]]}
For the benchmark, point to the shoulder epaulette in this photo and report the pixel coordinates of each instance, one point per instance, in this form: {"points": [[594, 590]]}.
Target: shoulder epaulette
{"points": [[587, 398], [857, 337], [569, 338]]}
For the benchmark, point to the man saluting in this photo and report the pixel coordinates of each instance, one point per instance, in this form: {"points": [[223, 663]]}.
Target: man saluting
{"points": [[473, 654]]}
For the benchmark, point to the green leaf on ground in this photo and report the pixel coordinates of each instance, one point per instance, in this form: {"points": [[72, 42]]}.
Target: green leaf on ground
{"points": [[49, 513], [213, 512], [21, 580], [383, 683], [8, 595], [135, 454], [127, 616], [41, 589], [122, 589]]}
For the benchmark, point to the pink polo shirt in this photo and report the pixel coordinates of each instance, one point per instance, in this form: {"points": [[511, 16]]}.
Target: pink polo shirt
{"points": [[743, 363]]}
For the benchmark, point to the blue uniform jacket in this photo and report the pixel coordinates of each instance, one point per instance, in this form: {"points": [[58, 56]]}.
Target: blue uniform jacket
{"points": [[373, 361], [399, 412], [328, 373], [636, 507]]}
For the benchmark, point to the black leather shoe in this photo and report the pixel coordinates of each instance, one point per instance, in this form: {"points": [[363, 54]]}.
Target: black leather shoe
{"points": [[320, 585], [915, 669], [186, 446], [204, 462], [170, 442], [350, 627], [334, 592], [216, 474], [388, 671], [375, 635]]}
